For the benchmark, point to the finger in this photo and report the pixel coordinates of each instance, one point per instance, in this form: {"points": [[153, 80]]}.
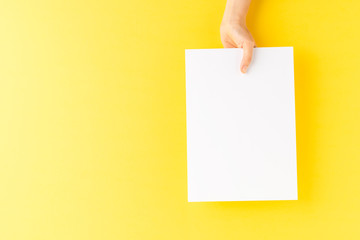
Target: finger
{"points": [[228, 43], [247, 56]]}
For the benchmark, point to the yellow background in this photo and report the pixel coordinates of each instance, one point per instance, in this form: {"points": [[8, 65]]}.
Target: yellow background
{"points": [[92, 120]]}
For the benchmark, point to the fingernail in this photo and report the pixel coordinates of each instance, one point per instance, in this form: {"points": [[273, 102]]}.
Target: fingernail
{"points": [[243, 69]]}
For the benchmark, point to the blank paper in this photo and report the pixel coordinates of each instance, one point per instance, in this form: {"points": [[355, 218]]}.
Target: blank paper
{"points": [[241, 142]]}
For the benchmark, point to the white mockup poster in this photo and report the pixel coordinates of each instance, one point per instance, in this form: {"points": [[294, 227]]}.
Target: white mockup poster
{"points": [[241, 141]]}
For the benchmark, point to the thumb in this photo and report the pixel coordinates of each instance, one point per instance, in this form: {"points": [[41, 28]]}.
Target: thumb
{"points": [[247, 56]]}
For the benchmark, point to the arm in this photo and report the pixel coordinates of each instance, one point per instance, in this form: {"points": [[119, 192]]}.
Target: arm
{"points": [[233, 30]]}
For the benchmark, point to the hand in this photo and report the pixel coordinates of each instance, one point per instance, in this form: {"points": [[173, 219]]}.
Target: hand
{"points": [[234, 33]]}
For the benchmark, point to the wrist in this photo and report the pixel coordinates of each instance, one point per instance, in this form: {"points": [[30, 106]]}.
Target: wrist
{"points": [[235, 12], [234, 20]]}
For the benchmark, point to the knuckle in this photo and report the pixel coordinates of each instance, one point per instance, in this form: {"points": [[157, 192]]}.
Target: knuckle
{"points": [[239, 44]]}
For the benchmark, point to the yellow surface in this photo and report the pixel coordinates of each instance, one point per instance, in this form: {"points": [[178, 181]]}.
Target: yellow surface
{"points": [[92, 120]]}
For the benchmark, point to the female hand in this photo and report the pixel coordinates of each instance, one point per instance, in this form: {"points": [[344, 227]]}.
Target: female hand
{"points": [[233, 30]]}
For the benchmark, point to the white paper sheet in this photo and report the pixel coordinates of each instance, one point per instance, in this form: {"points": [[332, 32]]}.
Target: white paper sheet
{"points": [[241, 143]]}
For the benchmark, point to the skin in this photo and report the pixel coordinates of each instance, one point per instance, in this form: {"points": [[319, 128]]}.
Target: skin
{"points": [[233, 30]]}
